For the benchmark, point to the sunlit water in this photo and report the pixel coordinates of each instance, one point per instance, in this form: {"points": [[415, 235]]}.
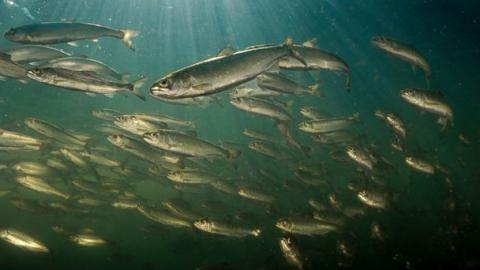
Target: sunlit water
{"points": [[421, 231]]}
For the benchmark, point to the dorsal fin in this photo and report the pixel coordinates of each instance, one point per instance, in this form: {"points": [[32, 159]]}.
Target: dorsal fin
{"points": [[226, 51], [312, 43]]}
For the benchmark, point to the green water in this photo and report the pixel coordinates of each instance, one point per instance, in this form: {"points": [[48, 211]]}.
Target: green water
{"points": [[430, 223]]}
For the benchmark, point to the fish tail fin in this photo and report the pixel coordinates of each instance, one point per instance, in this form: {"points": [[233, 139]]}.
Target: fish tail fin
{"points": [[233, 153], [256, 232], [124, 77], [314, 89], [136, 88], [127, 38]]}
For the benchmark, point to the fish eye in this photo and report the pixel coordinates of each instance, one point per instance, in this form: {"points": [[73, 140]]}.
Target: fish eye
{"points": [[11, 31], [164, 83]]}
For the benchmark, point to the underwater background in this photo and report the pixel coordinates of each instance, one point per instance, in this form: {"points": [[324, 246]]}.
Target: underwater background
{"points": [[421, 233]]}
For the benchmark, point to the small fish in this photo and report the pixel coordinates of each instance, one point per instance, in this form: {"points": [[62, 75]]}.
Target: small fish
{"points": [[420, 165], [10, 69], [305, 226], [404, 52], [217, 227], [88, 240], [85, 64], [316, 59], [84, 81], [282, 84], [255, 195], [33, 53], [22, 240], [328, 124], [40, 185], [291, 252], [261, 107], [431, 102], [63, 32]]}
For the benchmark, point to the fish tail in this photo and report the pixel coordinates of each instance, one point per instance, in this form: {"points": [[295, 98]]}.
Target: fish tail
{"points": [[256, 232], [136, 88], [314, 89], [127, 38]]}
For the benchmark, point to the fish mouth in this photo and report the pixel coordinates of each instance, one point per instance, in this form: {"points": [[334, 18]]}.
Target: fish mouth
{"points": [[157, 91]]}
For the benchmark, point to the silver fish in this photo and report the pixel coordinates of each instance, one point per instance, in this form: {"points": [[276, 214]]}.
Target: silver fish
{"points": [[220, 73], [404, 52], [62, 32], [84, 81], [33, 53], [85, 64]]}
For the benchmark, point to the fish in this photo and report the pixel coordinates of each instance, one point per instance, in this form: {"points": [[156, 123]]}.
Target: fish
{"points": [[76, 63], [33, 53], [316, 59], [32, 168], [105, 114], [183, 144], [10, 69], [255, 195], [64, 32], [143, 151], [312, 113], [258, 135], [84, 81], [361, 157], [393, 121], [267, 149], [248, 92], [335, 137], [291, 142], [220, 73], [181, 209], [191, 177], [88, 240], [305, 226], [373, 198], [223, 186], [291, 253], [135, 125], [54, 132], [316, 205], [163, 217], [282, 84], [403, 51], [328, 124], [15, 139], [40, 185], [22, 240], [99, 159], [220, 228], [75, 158], [429, 101], [165, 119], [420, 165], [261, 107]]}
